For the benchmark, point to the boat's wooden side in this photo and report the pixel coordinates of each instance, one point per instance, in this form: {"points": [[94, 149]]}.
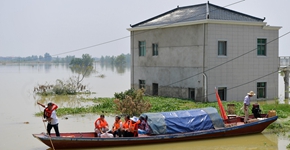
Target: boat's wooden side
{"points": [[87, 140]]}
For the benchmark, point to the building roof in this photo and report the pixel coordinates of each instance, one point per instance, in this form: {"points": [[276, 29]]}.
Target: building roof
{"points": [[195, 13]]}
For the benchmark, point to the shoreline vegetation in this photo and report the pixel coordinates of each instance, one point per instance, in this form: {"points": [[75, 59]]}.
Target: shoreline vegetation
{"points": [[161, 104]]}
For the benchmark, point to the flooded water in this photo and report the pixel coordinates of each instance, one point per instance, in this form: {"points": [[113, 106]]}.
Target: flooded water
{"points": [[18, 106]]}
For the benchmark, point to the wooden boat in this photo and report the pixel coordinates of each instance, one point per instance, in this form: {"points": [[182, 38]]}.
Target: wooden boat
{"points": [[233, 127]]}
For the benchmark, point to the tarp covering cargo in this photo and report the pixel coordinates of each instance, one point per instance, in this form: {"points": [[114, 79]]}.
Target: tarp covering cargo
{"points": [[184, 120]]}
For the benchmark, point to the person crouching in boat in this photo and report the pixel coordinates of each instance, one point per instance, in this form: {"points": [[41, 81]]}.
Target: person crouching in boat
{"points": [[101, 125], [143, 127], [49, 116], [125, 127], [116, 129], [133, 127]]}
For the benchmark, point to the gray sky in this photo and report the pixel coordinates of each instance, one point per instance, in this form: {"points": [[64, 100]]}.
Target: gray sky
{"points": [[34, 27]]}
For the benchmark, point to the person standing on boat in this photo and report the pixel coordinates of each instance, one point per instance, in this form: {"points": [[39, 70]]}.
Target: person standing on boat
{"points": [[50, 117], [116, 129], [246, 105], [101, 125]]}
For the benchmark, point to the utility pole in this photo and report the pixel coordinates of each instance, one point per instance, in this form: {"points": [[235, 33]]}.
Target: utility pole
{"points": [[286, 82]]}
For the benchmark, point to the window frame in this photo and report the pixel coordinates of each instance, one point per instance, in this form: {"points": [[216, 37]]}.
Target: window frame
{"points": [[261, 52], [142, 48], [223, 50], [263, 89], [142, 84], [154, 49]]}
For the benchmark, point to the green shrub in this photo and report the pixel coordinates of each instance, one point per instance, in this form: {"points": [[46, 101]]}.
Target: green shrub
{"points": [[133, 103]]}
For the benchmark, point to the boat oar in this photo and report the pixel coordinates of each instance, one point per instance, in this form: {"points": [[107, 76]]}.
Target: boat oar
{"points": [[46, 129]]}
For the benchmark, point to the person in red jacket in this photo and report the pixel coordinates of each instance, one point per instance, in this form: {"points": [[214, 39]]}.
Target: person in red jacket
{"points": [[101, 125], [49, 116]]}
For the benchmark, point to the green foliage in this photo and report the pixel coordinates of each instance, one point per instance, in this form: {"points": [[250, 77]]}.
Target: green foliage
{"points": [[103, 105], [120, 60], [133, 104], [131, 92]]}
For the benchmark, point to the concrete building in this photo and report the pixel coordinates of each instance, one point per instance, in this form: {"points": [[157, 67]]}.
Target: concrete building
{"points": [[188, 51]]}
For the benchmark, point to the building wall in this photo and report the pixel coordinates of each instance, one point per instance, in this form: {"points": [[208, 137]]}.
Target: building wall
{"points": [[179, 57], [242, 68], [179, 63]]}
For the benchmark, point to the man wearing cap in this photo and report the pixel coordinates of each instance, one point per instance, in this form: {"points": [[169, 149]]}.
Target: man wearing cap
{"points": [[246, 105]]}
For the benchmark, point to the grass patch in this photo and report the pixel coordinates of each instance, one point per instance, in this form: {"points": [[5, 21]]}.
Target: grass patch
{"points": [[162, 104]]}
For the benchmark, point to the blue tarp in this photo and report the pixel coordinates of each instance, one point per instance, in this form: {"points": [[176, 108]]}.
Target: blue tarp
{"points": [[183, 121]]}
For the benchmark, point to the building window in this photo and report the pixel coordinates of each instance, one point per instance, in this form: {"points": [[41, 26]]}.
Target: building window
{"points": [[155, 89], [261, 89], [222, 48], [142, 84], [191, 93], [222, 91], [261, 47], [155, 49], [142, 48]]}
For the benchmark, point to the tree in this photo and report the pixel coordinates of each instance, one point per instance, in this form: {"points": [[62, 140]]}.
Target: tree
{"points": [[47, 57], [120, 60], [82, 66]]}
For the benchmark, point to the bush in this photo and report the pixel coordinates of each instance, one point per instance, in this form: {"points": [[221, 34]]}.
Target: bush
{"points": [[131, 92], [133, 104]]}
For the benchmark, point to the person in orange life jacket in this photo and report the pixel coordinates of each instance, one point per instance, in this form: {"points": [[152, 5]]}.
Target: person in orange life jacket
{"points": [[125, 127], [116, 129], [50, 116], [133, 127], [101, 125]]}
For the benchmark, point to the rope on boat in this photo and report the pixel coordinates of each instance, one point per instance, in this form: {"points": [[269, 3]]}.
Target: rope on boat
{"points": [[46, 129]]}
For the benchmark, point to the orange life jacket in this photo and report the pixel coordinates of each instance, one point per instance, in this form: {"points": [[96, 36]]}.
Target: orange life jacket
{"points": [[102, 123], [126, 124], [47, 112], [133, 127], [117, 125]]}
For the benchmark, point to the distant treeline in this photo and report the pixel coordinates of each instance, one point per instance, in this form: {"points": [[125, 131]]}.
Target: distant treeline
{"points": [[112, 60]]}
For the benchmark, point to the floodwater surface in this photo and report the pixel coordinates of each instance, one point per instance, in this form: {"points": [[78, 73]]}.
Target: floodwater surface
{"points": [[18, 106]]}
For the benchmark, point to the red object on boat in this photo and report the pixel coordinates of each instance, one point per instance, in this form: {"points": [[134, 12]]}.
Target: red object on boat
{"points": [[222, 110]]}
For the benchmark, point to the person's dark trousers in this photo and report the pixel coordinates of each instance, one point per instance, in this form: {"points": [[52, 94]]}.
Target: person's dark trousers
{"points": [[128, 134], [118, 132], [55, 127]]}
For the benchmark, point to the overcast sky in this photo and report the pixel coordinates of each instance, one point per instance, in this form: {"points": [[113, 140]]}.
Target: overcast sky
{"points": [[34, 27]]}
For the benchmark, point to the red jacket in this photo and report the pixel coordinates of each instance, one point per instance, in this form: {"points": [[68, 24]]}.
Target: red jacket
{"points": [[47, 112]]}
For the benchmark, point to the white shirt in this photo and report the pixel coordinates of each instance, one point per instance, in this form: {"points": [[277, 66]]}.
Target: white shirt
{"points": [[247, 100], [54, 119]]}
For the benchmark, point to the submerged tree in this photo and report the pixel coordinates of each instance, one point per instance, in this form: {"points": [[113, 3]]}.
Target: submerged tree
{"points": [[82, 66], [132, 102]]}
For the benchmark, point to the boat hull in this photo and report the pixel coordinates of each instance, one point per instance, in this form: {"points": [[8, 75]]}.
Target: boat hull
{"points": [[87, 139]]}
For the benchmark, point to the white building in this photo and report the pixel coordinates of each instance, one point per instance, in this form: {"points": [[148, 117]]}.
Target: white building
{"points": [[188, 51]]}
